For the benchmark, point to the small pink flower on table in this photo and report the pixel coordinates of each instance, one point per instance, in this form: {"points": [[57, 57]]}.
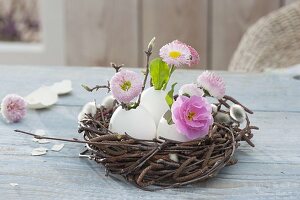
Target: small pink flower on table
{"points": [[212, 83], [176, 54], [126, 85], [192, 116], [13, 108]]}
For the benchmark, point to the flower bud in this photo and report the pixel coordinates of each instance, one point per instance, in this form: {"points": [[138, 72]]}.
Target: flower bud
{"points": [[151, 45], [214, 108], [237, 113], [222, 118], [190, 90], [108, 102]]}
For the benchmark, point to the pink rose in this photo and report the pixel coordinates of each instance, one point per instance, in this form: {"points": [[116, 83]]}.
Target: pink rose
{"points": [[192, 116]]}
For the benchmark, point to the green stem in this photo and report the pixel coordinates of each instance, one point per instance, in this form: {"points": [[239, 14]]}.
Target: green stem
{"points": [[172, 69]]}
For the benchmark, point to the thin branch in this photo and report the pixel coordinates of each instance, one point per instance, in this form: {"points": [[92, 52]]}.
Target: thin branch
{"points": [[97, 87]]}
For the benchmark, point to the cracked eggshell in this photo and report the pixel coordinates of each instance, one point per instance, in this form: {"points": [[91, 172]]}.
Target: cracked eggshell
{"points": [[154, 101], [63, 87], [43, 97], [108, 102], [169, 131], [137, 123]]}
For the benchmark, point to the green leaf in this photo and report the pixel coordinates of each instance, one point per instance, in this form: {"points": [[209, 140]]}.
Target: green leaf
{"points": [[169, 98], [168, 117], [159, 72]]}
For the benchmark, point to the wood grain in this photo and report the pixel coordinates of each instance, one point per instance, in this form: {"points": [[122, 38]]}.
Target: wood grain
{"points": [[185, 20], [230, 19], [268, 171], [100, 31]]}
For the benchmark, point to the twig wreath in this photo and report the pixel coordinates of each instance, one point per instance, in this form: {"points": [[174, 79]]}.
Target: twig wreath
{"points": [[155, 139]]}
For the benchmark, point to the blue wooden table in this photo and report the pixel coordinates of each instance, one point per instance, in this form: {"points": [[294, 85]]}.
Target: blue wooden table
{"points": [[271, 170]]}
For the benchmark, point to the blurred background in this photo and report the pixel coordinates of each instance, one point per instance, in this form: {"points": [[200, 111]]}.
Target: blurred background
{"points": [[97, 32]]}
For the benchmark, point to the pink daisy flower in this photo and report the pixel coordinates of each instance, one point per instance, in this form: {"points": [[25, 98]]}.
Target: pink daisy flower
{"points": [[13, 108], [212, 83], [126, 85], [195, 58], [176, 54], [191, 90]]}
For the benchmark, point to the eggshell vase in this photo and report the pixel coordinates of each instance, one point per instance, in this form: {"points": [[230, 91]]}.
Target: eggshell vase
{"points": [[154, 101], [137, 123], [169, 131]]}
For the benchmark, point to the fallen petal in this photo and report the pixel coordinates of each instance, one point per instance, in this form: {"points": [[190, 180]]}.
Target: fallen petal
{"points": [[43, 141], [39, 151], [40, 132], [13, 184], [173, 157], [57, 147]]}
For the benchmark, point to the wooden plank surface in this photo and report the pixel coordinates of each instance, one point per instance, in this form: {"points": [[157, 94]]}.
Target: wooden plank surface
{"points": [[99, 32], [268, 171], [230, 19], [185, 20]]}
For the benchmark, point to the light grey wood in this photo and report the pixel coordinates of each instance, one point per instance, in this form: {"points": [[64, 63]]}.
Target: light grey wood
{"points": [[268, 171], [96, 34], [184, 20], [100, 31]]}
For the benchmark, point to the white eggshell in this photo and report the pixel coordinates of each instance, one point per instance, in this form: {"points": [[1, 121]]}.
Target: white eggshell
{"points": [[154, 101], [41, 98], [108, 102], [137, 123], [169, 131], [62, 87]]}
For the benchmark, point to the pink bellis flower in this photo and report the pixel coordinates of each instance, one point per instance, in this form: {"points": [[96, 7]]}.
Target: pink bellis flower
{"points": [[212, 83], [13, 108], [195, 58], [126, 85], [192, 116], [190, 89], [176, 54]]}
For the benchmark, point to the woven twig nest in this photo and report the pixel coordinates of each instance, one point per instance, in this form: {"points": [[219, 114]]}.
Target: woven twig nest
{"points": [[163, 162]]}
